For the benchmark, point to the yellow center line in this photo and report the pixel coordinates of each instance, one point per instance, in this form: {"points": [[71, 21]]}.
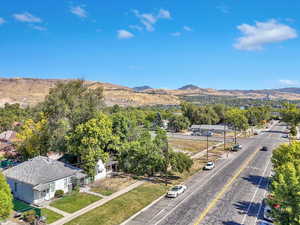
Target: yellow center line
{"points": [[224, 189]]}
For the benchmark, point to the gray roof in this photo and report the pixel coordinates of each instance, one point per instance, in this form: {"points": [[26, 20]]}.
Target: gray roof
{"points": [[41, 170], [209, 127]]}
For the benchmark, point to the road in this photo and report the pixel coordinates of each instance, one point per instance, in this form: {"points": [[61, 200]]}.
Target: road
{"points": [[231, 194]]}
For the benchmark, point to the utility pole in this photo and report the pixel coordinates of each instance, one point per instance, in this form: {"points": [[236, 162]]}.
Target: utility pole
{"points": [[225, 139], [207, 147]]}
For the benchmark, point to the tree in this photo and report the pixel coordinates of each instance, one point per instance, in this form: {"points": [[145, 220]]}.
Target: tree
{"points": [[236, 119], [32, 138], [147, 156], [68, 105], [92, 141], [285, 186], [178, 123], [6, 199], [10, 114]]}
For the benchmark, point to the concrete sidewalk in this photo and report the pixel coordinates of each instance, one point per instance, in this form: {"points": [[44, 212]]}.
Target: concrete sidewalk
{"points": [[72, 216]]}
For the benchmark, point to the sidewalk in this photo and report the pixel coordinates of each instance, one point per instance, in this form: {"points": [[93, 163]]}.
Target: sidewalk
{"points": [[72, 216]]}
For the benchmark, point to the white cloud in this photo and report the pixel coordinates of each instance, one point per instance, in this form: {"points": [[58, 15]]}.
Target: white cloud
{"points": [[27, 18], [254, 37], [176, 34], [40, 28], [289, 82], [164, 14], [2, 21], [136, 27], [79, 11], [150, 19], [186, 28], [124, 34]]}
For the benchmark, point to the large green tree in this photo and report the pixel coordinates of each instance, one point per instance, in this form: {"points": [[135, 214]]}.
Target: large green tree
{"points": [[6, 199], [285, 185], [178, 123], [237, 120], [67, 106], [92, 141]]}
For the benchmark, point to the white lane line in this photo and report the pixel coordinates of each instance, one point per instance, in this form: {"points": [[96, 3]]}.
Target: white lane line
{"points": [[254, 195], [199, 187]]}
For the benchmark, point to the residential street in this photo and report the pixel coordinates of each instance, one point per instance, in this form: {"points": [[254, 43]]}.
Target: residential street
{"points": [[231, 194]]}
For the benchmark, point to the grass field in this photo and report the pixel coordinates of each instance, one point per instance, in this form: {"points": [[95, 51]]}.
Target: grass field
{"points": [[118, 210], [51, 216], [189, 145], [75, 201], [110, 185]]}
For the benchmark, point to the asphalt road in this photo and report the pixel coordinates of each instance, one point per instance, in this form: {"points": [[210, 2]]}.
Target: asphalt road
{"points": [[231, 194]]}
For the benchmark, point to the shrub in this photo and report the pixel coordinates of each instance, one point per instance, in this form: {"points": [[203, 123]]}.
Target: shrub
{"points": [[77, 188], [29, 216], [59, 193]]}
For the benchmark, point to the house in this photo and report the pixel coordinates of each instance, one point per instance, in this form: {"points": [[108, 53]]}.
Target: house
{"points": [[206, 128], [37, 179]]}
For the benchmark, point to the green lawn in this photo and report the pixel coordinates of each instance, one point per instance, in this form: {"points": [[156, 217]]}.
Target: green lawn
{"points": [[118, 210], [51, 216], [103, 191], [75, 201]]}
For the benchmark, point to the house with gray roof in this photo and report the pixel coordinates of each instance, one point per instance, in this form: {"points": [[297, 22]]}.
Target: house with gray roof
{"points": [[37, 179]]}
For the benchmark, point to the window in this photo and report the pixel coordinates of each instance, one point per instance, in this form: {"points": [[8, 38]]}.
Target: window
{"points": [[16, 187]]}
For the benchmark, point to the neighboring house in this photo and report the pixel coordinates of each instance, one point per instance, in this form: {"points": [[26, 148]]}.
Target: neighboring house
{"points": [[205, 128], [37, 179]]}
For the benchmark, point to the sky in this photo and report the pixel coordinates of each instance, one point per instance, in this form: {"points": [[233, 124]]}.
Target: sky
{"points": [[230, 44]]}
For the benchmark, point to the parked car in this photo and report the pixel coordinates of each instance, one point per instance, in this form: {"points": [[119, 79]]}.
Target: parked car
{"points": [[264, 148], [267, 211], [208, 133], [264, 223], [237, 147], [285, 136], [209, 166], [176, 190], [196, 134]]}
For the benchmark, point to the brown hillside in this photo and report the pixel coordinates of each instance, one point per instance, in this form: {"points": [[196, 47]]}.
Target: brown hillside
{"points": [[29, 91]]}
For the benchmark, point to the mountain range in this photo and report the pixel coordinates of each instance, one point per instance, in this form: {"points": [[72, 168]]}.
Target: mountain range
{"points": [[30, 91]]}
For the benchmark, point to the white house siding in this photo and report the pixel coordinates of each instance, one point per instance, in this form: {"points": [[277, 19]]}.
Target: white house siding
{"points": [[100, 170], [49, 194], [23, 191]]}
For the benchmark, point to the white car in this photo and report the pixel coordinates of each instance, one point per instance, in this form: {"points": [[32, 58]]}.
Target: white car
{"points": [[176, 190], [209, 166], [267, 213]]}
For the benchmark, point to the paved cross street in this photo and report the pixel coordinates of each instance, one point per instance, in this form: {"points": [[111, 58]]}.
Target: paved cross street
{"points": [[231, 194]]}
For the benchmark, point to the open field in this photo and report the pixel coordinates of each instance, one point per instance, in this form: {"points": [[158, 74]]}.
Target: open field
{"points": [[110, 185], [188, 145]]}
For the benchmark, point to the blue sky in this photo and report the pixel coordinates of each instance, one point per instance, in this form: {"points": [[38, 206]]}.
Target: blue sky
{"points": [[162, 43]]}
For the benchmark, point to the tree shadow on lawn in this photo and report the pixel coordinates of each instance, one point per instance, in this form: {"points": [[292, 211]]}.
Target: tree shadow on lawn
{"points": [[261, 182]]}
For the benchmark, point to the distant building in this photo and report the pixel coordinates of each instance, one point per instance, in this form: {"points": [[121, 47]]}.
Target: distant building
{"points": [[205, 128]]}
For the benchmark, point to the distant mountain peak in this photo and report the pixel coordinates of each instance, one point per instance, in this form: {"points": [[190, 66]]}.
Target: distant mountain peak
{"points": [[142, 88], [189, 87]]}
